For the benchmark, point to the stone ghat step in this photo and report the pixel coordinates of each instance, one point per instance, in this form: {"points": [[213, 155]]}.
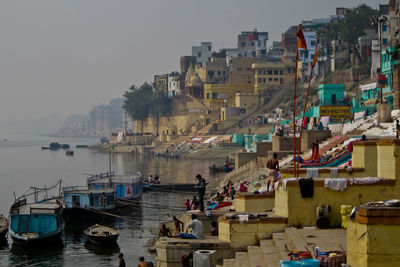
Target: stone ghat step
{"points": [[270, 255], [242, 259], [282, 245], [256, 256], [229, 263]]}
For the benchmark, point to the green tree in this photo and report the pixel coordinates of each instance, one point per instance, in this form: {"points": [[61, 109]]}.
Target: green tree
{"points": [[137, 102], [161, 106], [349, 29]]}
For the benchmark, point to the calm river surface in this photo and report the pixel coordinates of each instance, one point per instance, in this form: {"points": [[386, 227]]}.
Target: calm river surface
{"points": [[23, 164]]}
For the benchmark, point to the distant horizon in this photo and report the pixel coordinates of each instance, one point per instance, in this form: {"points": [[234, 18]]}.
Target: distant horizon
{"points": [[64, 58]]}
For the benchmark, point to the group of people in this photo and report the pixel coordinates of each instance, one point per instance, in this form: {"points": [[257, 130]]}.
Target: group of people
{"points": [[142, 262], [154, 180]]}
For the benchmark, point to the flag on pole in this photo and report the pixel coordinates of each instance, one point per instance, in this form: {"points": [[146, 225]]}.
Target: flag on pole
{"points": [[315, 56], [301, 41]]}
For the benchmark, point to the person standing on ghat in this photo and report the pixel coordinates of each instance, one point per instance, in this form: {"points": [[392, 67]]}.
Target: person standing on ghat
{"points": [[201, 188]]}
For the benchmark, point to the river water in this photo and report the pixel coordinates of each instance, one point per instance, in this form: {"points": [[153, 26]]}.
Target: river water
{"points": [[23, 164]]}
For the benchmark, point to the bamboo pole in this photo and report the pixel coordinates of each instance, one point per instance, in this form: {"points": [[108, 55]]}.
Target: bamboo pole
{"points": [[294, 115]]}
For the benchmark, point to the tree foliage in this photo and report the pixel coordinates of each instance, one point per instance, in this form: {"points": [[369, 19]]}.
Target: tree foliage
{"points": [[349, 29], [142, 102]]}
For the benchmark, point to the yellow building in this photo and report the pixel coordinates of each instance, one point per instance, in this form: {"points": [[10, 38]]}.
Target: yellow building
{"points": [[220, 95], [272, 73]]}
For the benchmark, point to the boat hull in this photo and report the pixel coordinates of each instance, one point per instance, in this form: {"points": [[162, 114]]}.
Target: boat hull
{"points": [[3, 235], [103, 241], [49, 240], [82, 214]]}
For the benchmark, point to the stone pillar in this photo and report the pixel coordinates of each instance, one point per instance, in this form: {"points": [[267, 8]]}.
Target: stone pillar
{"points": [[365, 156], [384, 113], [372, 238], [388, 163]]}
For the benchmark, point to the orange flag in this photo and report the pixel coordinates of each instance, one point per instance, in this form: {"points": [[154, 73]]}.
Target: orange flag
{"points": [[301, 42], [315, 56]]}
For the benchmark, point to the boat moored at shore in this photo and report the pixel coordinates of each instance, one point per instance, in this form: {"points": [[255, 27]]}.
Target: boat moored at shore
{"points": [[127, 187], [102, 235], [81, 202], [39, 222]]}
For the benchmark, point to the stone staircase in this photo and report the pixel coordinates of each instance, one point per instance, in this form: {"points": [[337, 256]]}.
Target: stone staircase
{"points": [[271, 251]]}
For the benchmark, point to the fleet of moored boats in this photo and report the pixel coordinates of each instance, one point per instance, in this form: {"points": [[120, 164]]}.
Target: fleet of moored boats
{"points": [[37, 219]]}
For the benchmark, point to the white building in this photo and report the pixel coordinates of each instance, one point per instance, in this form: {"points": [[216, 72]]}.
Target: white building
{"points": [[174, 82], [202, 52]]}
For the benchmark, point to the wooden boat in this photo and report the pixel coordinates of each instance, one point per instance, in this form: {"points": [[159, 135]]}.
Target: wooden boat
{"points": [[169, 187], [46, 147], [81, 146], [127, 187], [54, 146], [69, 152], [39, 222], [82, 203], [65, 146], [3, 228], [102, 235]]}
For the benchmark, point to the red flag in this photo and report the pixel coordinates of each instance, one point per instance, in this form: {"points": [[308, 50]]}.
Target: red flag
{"points": [[301, 42], [315, 56]]}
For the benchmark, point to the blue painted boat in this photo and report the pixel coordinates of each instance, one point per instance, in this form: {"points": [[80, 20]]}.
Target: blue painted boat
{"points": [[82, 202], [38, 222], [127, 187]]}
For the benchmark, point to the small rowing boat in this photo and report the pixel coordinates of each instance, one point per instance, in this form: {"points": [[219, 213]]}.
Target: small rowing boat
{"points": [[102, 235]]}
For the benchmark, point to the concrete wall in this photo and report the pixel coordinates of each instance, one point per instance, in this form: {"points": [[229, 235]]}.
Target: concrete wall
{"points": [[373, 244], [263, 148], [283, 143], [254, 202], [242, 158], [311, 136], [250, 233], [181, 122], [301, 211]]}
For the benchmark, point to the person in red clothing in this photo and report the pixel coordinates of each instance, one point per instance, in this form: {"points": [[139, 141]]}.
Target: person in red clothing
{"points": [[187, 204]]}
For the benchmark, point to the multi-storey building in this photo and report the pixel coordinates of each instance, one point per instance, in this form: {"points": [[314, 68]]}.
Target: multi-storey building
{"points": [[202, 52], [252, 44]]}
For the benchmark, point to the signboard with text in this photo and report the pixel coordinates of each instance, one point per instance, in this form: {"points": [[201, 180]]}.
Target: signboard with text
{"points": [[335, 113]]}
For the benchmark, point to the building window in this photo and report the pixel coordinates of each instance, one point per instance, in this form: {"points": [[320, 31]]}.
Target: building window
{"points": [[264, 72], [264, 80], [269, 72], [288, 70], [239, 69], [259, 80], [275, 72], [281, 72], [270, 79], [275, 79], [199, 54], [209, 48], [384, 41], [242, 44], [224, 73], [210, 73], [384, 29], [313, 43], [219, 73], [259, 72], [208, 95]]}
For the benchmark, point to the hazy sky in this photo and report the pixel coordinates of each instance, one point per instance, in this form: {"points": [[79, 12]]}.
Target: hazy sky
{"points": [[63, 57]]}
